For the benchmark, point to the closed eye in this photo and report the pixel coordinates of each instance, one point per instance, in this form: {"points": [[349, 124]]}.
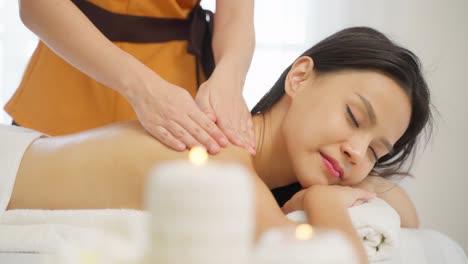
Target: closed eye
{"points": [[351, 115], [356, 123], [374, 154]]}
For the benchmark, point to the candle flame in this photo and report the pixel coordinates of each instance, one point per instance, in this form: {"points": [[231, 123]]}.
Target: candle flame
{"points": [[304, 232], [198, 156]]}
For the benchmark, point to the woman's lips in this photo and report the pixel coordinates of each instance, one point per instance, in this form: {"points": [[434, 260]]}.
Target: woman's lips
{"points": [[332, 166]]}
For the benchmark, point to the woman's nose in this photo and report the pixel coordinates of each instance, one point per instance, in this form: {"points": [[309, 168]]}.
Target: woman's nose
{"points": [[355, 152]]}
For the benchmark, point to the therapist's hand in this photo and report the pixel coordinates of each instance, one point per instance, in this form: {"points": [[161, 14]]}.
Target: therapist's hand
{"points": [[220, 98], [170, 114]]}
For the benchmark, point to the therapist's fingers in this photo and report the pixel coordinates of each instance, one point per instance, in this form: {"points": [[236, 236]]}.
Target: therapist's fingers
{"points": [[210, 128], [182, 134], [251, 128], [171, 116], [200, 135], [184, 128], [166, 138], [221, 96], [235, 121]]}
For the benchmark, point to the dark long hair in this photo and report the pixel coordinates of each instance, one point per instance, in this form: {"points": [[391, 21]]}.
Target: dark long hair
{"points": [[363, 48]]}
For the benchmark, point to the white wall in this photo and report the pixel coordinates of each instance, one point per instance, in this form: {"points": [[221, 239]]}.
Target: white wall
{"points": [[16, 46], [438, 33]]}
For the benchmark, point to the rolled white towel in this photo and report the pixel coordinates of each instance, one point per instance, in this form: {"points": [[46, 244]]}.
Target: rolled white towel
{"points": [[377, 224]]}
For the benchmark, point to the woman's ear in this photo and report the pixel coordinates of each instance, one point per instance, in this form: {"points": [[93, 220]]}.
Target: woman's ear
{"points": [[301, 70]]}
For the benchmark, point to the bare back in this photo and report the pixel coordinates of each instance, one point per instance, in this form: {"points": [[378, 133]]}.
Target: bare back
{"points": [[107, 167], [100, 168]]}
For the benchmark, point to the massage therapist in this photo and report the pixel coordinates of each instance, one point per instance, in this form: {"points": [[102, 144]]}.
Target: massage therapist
{"points": [[175, 67]]}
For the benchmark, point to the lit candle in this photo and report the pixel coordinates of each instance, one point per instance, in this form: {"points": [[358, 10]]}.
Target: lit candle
{"points": [[201, 212], [303, 244], [198, 156], [304, 232]]}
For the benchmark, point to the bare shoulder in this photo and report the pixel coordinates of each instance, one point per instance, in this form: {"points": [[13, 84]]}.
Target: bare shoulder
{"points": [[234, 154], [124, 128], [134, 130]]}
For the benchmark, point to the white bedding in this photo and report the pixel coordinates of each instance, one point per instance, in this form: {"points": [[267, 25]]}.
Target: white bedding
{"points": [[425, 246], [421, 246]]}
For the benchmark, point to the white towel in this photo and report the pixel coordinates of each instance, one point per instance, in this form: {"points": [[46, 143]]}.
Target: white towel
{"points": [[377, 224], [111, 234], [124, 232]]}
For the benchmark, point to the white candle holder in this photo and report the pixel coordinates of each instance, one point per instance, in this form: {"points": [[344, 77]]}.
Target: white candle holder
{"points": [[200, 214]]}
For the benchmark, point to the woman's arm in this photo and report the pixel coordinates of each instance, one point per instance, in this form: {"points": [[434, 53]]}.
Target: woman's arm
{"points": [[395, 196], [326, 206]]}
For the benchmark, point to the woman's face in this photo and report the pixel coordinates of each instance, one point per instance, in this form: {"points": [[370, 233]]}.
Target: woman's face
{"points": [[337, 125]]}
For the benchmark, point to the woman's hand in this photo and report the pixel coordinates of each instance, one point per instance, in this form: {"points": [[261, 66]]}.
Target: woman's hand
{"points": [[220, 98], [343, 196], [395, 196], [170, 114], [374, 184]]}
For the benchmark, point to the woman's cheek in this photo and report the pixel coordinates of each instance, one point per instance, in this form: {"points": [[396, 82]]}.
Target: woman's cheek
{"points": [[361, 173], [335, 129]]}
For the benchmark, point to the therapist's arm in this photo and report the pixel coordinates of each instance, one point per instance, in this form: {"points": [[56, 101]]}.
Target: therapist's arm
{"points": [[166, 111], [220, 97], [234, 36], [70, 34]]}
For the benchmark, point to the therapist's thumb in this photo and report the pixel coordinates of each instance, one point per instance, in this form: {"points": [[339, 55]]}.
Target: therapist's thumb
{"points": [[204, 105]]}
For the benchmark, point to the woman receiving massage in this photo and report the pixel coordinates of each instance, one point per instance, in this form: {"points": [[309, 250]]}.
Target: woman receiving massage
{"points": [[345, 115]]}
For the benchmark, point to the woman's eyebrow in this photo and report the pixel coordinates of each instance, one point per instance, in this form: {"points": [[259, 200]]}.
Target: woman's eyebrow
{"points": [[373, 119]]}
